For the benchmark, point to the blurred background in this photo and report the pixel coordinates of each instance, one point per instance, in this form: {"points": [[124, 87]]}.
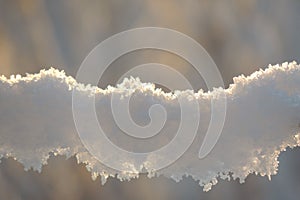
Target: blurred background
{"points": [[240, 35]]}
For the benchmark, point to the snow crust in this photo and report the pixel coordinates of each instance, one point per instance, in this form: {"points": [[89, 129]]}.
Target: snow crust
{"points": [[263, 119]]}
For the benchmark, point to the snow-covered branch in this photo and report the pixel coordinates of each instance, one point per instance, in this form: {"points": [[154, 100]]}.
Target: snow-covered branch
{"points": [[263, 118]]}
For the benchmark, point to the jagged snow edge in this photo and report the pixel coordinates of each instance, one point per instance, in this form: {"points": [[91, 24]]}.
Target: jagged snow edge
{"points": [[239, 82]]}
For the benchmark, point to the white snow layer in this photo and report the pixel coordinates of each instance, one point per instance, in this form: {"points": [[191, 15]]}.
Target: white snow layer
{"points": [[263, 119]]}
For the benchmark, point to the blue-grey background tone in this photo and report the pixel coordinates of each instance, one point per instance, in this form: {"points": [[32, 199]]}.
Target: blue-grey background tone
{"points": [[241, 36]]}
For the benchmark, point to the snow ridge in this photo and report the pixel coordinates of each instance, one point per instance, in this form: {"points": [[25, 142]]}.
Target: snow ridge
{"points": [[263, 117]]}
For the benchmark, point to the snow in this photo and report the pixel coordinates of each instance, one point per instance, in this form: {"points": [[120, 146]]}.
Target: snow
{"points": [[263, 116]]}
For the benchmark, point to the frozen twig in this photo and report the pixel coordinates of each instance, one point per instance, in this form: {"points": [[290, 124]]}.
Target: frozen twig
{"points": [[263, 116]]}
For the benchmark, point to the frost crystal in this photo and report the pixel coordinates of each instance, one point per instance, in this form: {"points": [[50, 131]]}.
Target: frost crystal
{"points": [[263, 116]]}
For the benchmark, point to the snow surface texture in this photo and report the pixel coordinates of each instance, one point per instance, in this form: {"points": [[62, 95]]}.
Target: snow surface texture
{"points": [[263, 119]]}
